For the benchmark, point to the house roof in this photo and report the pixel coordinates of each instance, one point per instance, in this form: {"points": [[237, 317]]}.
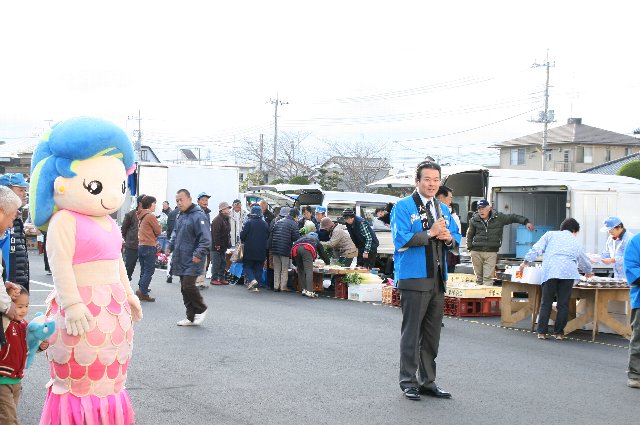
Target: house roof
{"points": [[612, 167], [373, 163], [574, 132]]}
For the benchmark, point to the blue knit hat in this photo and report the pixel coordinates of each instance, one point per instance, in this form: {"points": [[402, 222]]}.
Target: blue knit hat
{"points": [[256, 210]]}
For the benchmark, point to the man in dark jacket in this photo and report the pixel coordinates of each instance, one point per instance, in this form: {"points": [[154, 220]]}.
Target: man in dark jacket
{"points": [[484, 238], [171, 224], [221, 241], [363, 237], [284, 234], [254, 236], [129, 231], [18, 256], [266, 213], [190, 244]]}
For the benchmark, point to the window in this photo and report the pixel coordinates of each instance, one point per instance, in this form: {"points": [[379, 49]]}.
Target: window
{"points": [[144, 155], [628, 151], [517, 156], [241, 177], [607, 154], [584, 154]]}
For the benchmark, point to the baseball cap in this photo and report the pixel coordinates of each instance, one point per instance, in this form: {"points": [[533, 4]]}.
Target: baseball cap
{"points": [[224, 205], [13, 179], [483, 203], [322, 210], [201, 194], [610, 222]]}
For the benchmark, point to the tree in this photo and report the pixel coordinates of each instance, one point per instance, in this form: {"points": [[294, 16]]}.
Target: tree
{"points": [[329, 180], [630, 169], [252, 179], [361, 163], [299, 180]]}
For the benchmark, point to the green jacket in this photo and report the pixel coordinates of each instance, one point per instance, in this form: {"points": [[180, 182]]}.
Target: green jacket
{"points": [[486, 236]]}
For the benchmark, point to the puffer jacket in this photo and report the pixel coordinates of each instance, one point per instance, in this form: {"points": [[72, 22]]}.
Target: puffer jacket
{"points": [[129, 230], [486, 236], [191, 238], [284, 234], [18, 256], [171, 221], [341, 242], [255, 235]]}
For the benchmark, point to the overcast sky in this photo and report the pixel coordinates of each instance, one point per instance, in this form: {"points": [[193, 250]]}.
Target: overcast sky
{"points": [[415, 78]]}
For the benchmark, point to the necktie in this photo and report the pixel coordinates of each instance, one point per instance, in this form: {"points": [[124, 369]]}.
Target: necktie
{"points": [[429, 214]]}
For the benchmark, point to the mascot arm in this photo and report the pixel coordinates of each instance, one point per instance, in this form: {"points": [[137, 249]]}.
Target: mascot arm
{"points": [[61, 244], [134, 302]]}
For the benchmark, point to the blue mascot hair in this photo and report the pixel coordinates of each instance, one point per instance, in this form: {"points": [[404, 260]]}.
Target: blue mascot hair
{"points": [[72, 140]]}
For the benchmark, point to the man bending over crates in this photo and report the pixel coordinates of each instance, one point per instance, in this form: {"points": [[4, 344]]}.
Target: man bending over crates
{"points": [[484, 237], [423, 233]]}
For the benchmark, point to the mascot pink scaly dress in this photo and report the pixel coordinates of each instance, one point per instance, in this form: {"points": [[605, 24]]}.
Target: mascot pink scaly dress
{"points": [[78, 178]]}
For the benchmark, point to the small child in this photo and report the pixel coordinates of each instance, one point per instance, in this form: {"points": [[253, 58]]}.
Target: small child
{"points": [[13, 355]]}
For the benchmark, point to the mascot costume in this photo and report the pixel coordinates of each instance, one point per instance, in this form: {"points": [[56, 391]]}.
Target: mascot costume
{"points": [[78, 178]]}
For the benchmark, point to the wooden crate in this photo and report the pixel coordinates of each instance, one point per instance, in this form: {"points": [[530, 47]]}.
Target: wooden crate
{"points": [[387, 294]]}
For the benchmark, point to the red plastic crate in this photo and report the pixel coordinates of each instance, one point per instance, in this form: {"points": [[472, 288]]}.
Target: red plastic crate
{"points": [[491, 306], [342, 289], [395, 297], [463, 307]]}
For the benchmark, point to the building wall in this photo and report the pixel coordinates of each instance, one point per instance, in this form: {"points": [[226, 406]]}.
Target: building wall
{"points": [[532, 160]]}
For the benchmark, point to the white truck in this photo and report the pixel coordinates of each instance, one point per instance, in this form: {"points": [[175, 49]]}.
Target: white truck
{"points": [[546, 198], [162, 181]]}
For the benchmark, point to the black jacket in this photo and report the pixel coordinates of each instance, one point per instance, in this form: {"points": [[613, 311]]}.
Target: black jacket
{"points": [[171, 221], [129, 230], [285, 233], [18, 257], [486, 236], [255, 235], [362, 235]]}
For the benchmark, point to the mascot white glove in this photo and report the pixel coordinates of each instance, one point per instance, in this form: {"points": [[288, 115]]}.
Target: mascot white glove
{"points": [[136, 308], [77, 319]]}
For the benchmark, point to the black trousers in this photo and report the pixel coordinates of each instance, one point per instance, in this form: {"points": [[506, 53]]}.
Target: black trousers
{"points": [[191, 296], [130, 260], [369, 262], [422, 313], [561, 290]]}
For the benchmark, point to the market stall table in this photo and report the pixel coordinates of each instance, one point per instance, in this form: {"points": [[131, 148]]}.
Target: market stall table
{"points": [[595, 298]]}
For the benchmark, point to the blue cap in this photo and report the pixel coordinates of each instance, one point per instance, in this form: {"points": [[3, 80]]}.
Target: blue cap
{"points": [[483, 203], [321, 210], [13, 179], [610, 222], [201, 194]]}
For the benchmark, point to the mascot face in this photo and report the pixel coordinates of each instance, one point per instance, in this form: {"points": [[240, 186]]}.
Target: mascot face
{"points": [[98, 189]]}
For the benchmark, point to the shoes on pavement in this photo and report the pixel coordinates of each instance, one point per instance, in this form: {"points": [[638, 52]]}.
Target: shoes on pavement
{"points": [[633, 383], [411, 393], [199, 318], [223, 282], [308, 294], [216, 282], [254, 290], [169, 279], [186, 322], [49, 272], [252, 284], [542, 336], [285, 290], [144, 297], [435, 392], [559, 337]]}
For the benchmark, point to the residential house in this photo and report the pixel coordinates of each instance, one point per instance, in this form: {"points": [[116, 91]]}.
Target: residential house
{"points": [[612, 167], [571, 147]]}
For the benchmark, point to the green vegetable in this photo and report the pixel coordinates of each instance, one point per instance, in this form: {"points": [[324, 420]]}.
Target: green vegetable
{"points": [[353, 278]]}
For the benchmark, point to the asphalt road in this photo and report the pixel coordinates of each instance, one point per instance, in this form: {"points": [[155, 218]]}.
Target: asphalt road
{"points": [[270, 358]]}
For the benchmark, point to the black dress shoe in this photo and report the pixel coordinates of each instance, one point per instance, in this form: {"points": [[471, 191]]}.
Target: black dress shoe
{"points": [[435, 392], [411, 393]]}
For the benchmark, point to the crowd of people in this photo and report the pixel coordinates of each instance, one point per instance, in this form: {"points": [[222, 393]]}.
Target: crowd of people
{"points": [[426, 232]]}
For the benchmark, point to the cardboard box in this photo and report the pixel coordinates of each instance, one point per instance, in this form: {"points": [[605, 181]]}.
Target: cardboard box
{"points": [[367, 292], [477, 291]]}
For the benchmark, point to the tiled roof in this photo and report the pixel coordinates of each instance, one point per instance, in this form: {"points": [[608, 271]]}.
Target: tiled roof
{"points": [[576, 133], [612, 167]]}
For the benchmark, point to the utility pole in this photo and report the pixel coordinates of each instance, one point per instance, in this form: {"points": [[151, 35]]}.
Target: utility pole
{"points": [[276, 102], [138, 132], [547, 116], [261, 151]]}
